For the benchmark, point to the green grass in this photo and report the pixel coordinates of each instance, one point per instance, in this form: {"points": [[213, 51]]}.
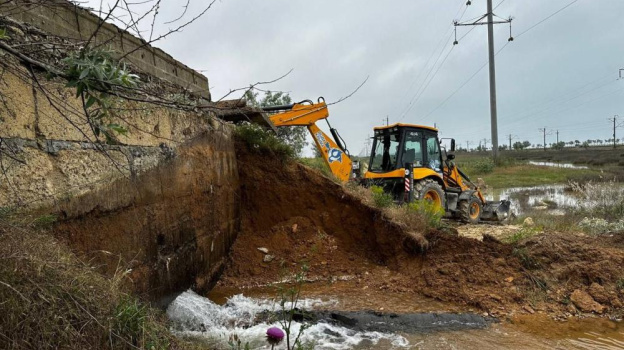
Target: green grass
{"points": [[531, 175], [507, 172], [316, 163], [264, 141]]}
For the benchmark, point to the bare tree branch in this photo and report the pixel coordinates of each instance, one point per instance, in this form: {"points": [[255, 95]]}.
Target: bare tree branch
{"points": [[351, 94]]}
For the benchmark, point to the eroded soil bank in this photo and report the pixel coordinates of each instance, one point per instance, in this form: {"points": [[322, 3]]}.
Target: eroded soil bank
{"points": [[298, 215]]}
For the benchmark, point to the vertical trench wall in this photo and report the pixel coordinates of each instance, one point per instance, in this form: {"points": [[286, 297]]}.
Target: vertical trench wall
{"points": [[163, 207]]}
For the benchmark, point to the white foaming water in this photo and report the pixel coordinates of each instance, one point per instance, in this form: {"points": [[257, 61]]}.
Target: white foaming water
{"points": [[199, 317]]}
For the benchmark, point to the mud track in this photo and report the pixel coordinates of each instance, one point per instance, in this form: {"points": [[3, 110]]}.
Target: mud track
{"points": [[300, 215]]}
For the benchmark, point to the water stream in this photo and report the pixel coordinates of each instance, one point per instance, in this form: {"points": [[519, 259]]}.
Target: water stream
{"points": [[208, 322]]}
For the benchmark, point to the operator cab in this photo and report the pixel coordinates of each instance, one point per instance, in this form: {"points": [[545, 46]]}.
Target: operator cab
{"points": [[395, 145], [398, 144]]}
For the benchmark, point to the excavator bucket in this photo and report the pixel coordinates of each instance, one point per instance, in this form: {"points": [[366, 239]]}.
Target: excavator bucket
{"points": [[496, 211]]}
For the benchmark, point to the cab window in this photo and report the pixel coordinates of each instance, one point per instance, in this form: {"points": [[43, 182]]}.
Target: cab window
{"points": [[412, 153], [384, 157], [434, 155]]}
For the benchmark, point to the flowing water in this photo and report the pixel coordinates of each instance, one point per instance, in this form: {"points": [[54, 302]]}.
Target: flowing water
{"points": [[209, 322]]}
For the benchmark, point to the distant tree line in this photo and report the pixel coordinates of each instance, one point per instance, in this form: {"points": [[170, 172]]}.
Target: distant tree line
{"points": [[522, 145]]}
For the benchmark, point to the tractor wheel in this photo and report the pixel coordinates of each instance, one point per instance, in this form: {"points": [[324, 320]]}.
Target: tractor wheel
{"points": [[431, 191], [470, 210]]}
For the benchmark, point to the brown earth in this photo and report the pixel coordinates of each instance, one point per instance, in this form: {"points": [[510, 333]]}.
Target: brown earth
{"points": [[299, 215]]}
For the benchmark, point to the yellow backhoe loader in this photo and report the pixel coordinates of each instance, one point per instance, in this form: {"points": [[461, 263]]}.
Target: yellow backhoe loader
{"points": [[406, 161]]}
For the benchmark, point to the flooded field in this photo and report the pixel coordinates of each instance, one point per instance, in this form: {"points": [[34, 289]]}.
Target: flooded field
{"points": [[554, 199], [559, 165], [215, 321]]}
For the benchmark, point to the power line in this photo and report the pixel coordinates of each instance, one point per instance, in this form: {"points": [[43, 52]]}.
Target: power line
{"points": [[568, 107], [547, 18], [493, 108], [500, 3], [464, 83], [438, 47], [424, 88], [523, 118], [501, 49]]}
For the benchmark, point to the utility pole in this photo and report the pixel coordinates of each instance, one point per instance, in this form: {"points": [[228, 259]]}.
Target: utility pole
{"points": [[490, 24], [387, 121], [557, 136], [511, 137], [485, 142], [367, 145], [614, 120], [543, 130], [468, 146]]}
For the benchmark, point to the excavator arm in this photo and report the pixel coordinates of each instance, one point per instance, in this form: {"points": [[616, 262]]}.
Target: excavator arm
{"points": [[307, 113]]}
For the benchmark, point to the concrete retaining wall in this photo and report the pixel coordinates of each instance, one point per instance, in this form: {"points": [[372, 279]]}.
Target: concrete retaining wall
{"points": [[61, 18], [47, 152]]}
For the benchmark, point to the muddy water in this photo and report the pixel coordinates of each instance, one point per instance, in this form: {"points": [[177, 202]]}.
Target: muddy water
{"points": [[552, 199], [214, 321]]}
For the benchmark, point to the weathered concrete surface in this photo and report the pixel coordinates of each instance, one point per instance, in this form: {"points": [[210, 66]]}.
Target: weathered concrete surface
{"points": [[52, 157], [172, 226], [62, 18]]}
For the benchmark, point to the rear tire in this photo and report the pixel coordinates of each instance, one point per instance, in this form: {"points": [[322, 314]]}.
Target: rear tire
{"points": [[431, 191], [470, 210]]}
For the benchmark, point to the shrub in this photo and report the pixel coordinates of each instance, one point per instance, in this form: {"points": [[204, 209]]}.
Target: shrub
{"points": [[524, 232], [381, 199], [431, 214], [603, 200], [262, 140], [483, 166], [597, 225]]}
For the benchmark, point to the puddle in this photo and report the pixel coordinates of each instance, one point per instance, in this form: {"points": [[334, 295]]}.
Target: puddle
{"points": [[541, 333], [559, 165], [553, 199]]}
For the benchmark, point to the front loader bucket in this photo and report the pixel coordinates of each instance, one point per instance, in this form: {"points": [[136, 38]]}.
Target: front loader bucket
{"points": [[496, 211]]}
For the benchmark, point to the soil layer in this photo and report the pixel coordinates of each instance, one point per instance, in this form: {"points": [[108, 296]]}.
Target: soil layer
{"points": [[294, 215]]}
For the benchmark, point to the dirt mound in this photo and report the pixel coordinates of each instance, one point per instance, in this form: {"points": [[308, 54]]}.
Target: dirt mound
{"points": [[299, 215], [266, 256]]}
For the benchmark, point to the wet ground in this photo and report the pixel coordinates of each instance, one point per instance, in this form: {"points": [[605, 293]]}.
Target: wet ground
{"points": [[558, 165], [360, 261], [214, 321], [552, 199]]}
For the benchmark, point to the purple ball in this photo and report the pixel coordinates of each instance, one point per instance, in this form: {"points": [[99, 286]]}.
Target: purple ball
{"points": [[275, 334]]}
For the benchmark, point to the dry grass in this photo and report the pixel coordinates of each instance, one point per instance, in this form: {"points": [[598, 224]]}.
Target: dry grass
{"points": [[415, 221], [49, 299]]}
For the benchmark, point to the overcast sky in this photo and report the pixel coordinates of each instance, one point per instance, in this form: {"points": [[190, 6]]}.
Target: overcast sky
{"points": [[561, 74]]}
